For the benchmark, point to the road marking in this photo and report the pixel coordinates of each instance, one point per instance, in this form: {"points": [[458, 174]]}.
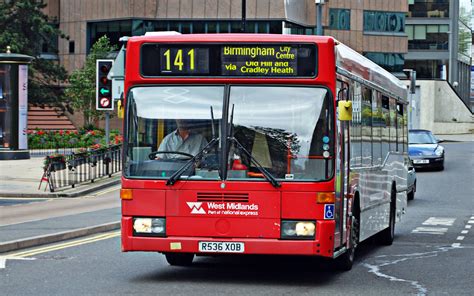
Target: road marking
{"points": [[65, 245], [3, 260], [470, 221], [456, 245], [460, 237], [465, 231], [468, 226], [430, 230], [108, 190], [439, 221]]}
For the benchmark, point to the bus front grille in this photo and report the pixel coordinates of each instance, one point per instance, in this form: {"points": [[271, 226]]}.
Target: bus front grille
{"points": [[222, 197]]}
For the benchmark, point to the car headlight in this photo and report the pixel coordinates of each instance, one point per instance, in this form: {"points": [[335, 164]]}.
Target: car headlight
{"points": [[439, 151], [149, 226], [298, 229]]}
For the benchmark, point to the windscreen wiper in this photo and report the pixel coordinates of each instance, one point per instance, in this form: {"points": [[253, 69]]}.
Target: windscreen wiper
{"points": [[265, 173], [173, 178]]}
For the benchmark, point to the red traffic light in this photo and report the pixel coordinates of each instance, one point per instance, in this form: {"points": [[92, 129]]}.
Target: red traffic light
{"points": [[104, 69], [104, 80]]}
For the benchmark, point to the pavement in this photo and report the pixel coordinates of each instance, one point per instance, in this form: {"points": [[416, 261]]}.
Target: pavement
{"points": [[21, 178], [457, 137], [30, 217]]}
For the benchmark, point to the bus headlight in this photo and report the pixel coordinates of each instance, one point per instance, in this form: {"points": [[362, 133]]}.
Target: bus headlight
{"points": [[150, 226], [298, 229]]}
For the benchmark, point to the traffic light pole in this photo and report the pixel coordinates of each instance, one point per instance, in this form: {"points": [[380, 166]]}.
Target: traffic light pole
{"points": [[107, 128]]}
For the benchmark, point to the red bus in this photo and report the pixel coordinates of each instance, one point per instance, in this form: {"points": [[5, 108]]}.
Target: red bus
{"points": [[259, 144]]}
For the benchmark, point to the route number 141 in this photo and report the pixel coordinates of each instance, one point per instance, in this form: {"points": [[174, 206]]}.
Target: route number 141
{"points": [[174, 60]]}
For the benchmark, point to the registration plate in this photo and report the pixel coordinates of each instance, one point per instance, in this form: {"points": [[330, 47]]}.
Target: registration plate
{"points": [[221, 247], [417, 161]]}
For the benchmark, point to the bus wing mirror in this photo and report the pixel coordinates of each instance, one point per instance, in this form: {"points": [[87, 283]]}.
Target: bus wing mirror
{"points": [[120, 109], [344, 110]]}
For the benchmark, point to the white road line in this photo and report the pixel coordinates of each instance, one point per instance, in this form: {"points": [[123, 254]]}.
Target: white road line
{"points": [[456, 245], [470, 222], [465, 231], [472, 218], [3, 260], [439, 221], [468, 226], [460, 237]]}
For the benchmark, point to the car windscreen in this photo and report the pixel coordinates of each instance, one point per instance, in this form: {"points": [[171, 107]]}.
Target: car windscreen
{"points": [[421, 137]]}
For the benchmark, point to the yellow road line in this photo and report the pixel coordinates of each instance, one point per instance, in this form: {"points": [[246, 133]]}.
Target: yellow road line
{"points": [[108, 190], [66, 245]]}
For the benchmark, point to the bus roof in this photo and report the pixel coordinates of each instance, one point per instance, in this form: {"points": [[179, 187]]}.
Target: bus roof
{"points": [[357, 65], [347, 59], [231, 37]]}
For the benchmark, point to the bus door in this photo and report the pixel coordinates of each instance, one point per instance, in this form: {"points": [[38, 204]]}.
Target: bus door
{"points": [[342, 171]]}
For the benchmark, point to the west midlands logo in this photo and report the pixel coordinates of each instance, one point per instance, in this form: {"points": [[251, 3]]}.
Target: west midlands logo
{"points": [[196, 207]]}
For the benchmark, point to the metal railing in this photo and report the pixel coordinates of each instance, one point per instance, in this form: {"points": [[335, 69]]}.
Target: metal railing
{"points": [[77, 168], [40, 152]]}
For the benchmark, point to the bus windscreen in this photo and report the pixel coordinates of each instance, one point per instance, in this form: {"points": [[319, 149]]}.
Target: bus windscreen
{"points": [[229, 60]]}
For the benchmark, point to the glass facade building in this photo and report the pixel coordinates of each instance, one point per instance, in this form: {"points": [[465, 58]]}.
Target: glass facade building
{"points": [[440, 40]]}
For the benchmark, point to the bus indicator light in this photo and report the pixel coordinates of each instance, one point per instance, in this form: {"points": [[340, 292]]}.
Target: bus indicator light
{"points": [[325, 197], [126, 194]]}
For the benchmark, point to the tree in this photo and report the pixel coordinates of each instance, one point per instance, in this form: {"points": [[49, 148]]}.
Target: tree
{"points": [[81, 92], [26, 29]]}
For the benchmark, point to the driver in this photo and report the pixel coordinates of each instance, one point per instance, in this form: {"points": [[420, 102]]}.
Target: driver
{"points": [[183, 139]]}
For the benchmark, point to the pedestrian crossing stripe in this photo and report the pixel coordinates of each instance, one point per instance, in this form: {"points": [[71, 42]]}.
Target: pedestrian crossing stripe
{"points": [[439, 221], [430, 230]]}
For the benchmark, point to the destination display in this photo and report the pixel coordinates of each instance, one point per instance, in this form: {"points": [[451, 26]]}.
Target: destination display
{"points": [[259, 60], [229, 60]]}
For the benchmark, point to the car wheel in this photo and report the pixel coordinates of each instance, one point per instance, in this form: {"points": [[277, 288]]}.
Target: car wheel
{"points": [[179, 259]]}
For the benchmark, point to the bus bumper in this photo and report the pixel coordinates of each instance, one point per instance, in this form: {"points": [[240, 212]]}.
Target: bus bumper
{"points": [[322, 245]]}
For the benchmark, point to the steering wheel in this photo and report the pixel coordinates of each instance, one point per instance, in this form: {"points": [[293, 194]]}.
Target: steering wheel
{"points": [[152, 155]]}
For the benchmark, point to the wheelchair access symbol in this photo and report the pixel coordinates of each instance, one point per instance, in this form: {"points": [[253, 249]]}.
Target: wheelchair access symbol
{"points": [[329, 211]]}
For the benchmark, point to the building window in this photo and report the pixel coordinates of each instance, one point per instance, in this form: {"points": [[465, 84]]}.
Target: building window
{"points": [[116, 29], [428, 8], [428, 69], [392, 62], [428, 37], [71, 46], [384, 22], [49, 45], [112, 29], [339, 19], [465, 40]]}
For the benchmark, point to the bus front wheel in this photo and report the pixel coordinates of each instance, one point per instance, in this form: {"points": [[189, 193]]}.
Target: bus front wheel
{"points": [[179, 259], [346, 260]]}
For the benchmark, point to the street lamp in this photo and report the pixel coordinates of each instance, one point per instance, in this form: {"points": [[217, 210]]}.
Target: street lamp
{"points": [[319, 16]]}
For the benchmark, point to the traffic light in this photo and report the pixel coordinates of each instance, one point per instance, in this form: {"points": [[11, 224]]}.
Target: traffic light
{"points": [[104, 100]]}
